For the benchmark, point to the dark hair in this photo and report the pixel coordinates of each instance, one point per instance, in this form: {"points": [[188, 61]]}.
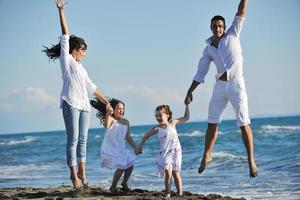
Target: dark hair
{"points": [[166, 109], [216, 18], [74, 42], [101, 107]]}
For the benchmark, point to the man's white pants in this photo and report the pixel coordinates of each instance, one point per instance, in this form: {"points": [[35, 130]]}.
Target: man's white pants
{"points": [[233, 91]]}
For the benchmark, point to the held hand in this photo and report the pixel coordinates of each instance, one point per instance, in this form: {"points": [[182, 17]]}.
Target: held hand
{"points": [[61, 4], [188, 99], [109, 109], [137, 150]]}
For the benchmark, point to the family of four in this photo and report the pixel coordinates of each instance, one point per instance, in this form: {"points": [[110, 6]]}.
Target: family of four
{"points": [[223, 48]]}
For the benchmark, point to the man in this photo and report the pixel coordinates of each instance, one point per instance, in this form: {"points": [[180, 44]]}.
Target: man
{"points": [[224, 49]]}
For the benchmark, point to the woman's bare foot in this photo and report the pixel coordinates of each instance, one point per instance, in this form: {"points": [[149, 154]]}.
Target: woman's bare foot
{"points": [[253, 170], [83, 180], [75, 181], [204, 162]]}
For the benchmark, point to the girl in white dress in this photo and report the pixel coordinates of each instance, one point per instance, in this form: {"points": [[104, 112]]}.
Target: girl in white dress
{"points": [[170, 156], [114, 154]]}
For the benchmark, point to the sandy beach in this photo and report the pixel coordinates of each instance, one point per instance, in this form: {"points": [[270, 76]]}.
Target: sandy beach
{"points": [[66, 192]]}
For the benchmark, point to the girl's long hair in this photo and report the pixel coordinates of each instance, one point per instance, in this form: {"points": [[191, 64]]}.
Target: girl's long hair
{"points": [[101, 107], [166, 109], [74, 43]]}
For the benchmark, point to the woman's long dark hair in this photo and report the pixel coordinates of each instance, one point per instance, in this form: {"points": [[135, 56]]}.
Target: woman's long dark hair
{"points": [[74, 42], [101, 107]]}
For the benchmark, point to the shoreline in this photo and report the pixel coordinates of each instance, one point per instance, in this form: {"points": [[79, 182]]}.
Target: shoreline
{"points": [[67, 192]]}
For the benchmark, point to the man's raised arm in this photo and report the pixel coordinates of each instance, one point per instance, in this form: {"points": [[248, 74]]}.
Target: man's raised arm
{"points": [[242, 8]]}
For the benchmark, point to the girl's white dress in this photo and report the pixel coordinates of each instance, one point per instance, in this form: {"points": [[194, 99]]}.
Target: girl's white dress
{"points": [[170, 155], [114, 153]]}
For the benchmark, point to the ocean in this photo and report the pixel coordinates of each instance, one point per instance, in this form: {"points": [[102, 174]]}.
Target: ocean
{"points": [[38, 160]]}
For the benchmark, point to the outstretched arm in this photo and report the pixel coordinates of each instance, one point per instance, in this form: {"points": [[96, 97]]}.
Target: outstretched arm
{"points": [[189, 95], [203, 67], [108, 120], [130, 140], [242, 8], [63, 22], [145, 138], [103, 99], [183, 119]]}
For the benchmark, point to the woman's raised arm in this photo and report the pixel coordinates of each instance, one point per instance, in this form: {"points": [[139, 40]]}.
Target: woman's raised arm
{"points": [[61, 4]]}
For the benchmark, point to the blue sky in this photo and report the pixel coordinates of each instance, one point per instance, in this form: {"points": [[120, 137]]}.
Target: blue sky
{"points": [[144, 52]]}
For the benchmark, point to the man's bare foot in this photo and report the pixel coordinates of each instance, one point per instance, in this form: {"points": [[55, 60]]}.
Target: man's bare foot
{"points": [[204, 162], [83, 180], [75, 181], [253, 170]]}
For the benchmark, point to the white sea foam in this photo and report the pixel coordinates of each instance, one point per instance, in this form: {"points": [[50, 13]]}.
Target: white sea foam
{"points": [[276, 129], [97, 136], [26, 139], [104, 183], [28, 171], [220, 132], [192, 134], [223, 154]]}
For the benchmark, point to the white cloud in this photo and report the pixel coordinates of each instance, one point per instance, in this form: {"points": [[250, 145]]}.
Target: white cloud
{"points": [[7, 107], [156, 95], [28, 98], [39, 95]]}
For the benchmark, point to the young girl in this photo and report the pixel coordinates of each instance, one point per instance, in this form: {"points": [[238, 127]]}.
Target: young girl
{"points": [[114, 154], [74, 99], [169, 158]]}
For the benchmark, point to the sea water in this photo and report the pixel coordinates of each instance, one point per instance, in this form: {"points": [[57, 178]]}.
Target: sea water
{"points": [[38, 160]]}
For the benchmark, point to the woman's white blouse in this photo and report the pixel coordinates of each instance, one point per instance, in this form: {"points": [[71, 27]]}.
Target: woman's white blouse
{"points": [[76, 82]]}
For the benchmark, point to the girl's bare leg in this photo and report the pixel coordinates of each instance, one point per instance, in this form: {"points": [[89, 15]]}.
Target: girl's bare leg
{"points": [[168, 178], [127, 174], [116, 178], [178, 182]]}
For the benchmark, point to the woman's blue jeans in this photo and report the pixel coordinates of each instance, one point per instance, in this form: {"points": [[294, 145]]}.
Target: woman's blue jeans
{"points": [[77, 125]]}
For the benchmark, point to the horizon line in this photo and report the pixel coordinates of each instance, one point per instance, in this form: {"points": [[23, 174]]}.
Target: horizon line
{"points": [[138, 125]]}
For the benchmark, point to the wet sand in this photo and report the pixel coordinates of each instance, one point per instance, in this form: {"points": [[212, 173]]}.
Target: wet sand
{"points": [[66, 192]]}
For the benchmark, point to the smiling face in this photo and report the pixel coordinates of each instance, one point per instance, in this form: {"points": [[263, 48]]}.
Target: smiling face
{"points": [[119, 111], [217, 27], [161, 116], [78, 54]]}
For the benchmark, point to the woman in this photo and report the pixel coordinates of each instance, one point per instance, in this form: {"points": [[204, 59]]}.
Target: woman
{"points": [[74, 100]]}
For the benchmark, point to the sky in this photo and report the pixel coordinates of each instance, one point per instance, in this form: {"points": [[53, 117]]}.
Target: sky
{"points": [[144, 52]]}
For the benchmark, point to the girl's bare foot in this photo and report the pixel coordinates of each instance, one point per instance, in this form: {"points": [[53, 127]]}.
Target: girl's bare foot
{"points": [[125, 187], [204, 162], [75, 181], [179, 194], [113, 189]]}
